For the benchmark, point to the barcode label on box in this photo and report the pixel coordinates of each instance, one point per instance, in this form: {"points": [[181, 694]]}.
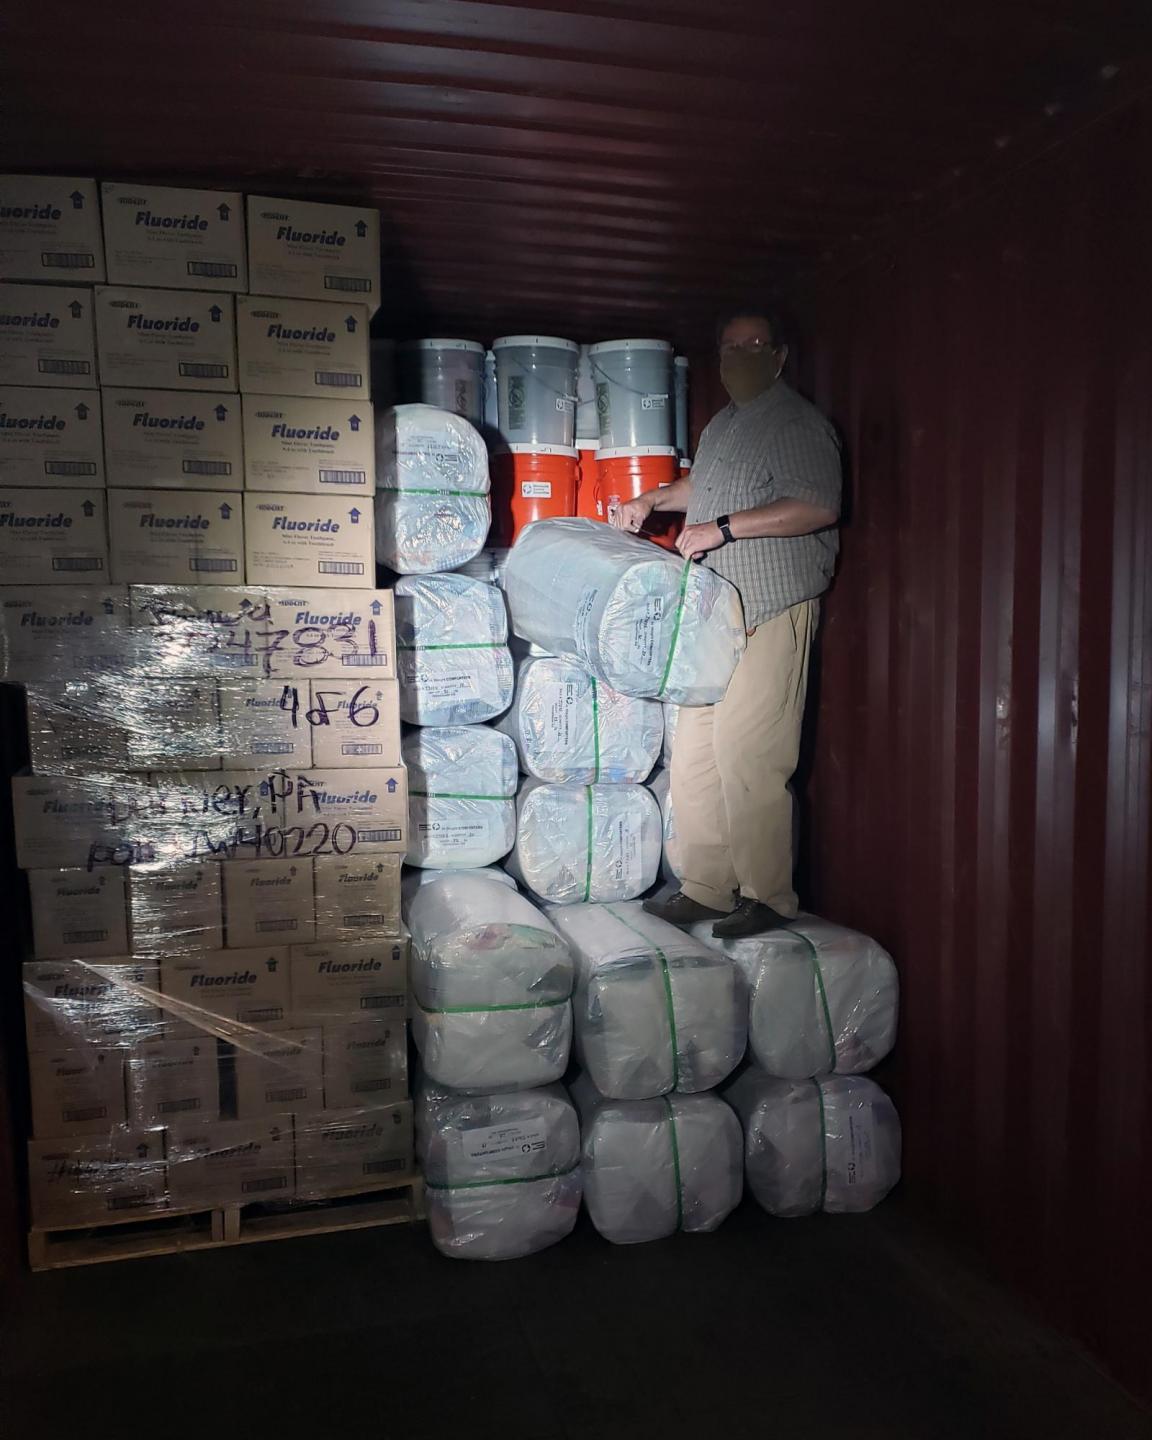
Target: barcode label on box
{"points": [[379, 836], [360, 922], [213, 268], [347, 283], [67, 260], [380, 1002], [207, 467], [296, 1092], [77, 562], [89, 1112], [266, 926], [342, 477], [70, 467], [273, 747], [175, 1107], [65, 367], [369, 1087], [342, 379], [264, 1182], [84, 937], [340, 567], [381, 1167], [368, 659], [206, 565], [201, 370], [131, 1200], [353, 747], [258, 1017]]}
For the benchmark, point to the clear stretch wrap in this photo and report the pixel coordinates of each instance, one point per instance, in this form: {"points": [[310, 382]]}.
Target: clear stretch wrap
{"points": [[491, 980], [830, 1144], [579, 843], [432, 506], [415, 878], [643, 621], [821, 998], [453, 660], [671, 719], [652, 1167], [661, 786], [572, 729], [653, 1011], [461, 782], [502, 1171]]}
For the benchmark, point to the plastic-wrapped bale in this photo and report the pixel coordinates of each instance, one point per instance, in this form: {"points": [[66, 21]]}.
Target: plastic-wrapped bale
{"points": [[487, 566], [643, 621], [821, 998], [671, 720], [653, 1010], [830, 1144], [452, 653], [414, 878], [572, 729], [661, 786], [652, 1167], [576, 843], [502, 1171], [432, 506], [491, 979], [461, 784]]}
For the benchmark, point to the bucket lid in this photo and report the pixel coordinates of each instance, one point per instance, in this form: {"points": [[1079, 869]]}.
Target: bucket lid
{"points": [[681, 360], [605, 347], [568, 451], [543, 342], [471, 346], [685, 462], [587, 442], [637, 451]]}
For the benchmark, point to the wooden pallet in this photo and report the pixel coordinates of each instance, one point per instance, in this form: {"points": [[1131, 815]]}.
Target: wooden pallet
{"points": [[132, 1237]]}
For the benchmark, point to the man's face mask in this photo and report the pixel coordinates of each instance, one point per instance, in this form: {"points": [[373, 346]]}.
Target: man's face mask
{"points": [[748, 373]]}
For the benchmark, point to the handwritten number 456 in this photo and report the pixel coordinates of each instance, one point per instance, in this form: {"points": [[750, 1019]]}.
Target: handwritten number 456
{"points": [[361, 712]]}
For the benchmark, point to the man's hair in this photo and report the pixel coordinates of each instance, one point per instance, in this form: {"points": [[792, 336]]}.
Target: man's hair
{"points": [[771, 314]]}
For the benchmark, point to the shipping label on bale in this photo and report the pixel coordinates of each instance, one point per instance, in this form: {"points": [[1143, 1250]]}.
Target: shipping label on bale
{"points": [[461, 825], [53, 537], [350, 980], [302, 347], [498, 1142], [46, 336], [50, 438], [315, 251], [315, 447], [56, 632], [298, 538], [50, 229], [173, 440], [157, 536], [187, 239], [168, 339]]}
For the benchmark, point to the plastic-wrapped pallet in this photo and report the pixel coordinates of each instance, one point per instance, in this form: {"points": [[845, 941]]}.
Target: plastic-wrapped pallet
{"points": [[572, 729], [576, 843], [502, 1171], [461, 784], [821, 998], [671, 720], [641, 620], [652, 1167], [653, 1010], [491, 979], [432, 506], [661, 786], [830, 1144], [452, 654]]}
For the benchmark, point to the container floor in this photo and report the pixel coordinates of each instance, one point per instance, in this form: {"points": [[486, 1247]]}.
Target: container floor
{"points": [[849, 1328]]}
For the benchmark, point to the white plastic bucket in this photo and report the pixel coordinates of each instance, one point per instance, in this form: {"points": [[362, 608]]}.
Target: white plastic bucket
{"points": [[536, 389], [635, 399], [587, 421], [446, 373], [680, 382]]}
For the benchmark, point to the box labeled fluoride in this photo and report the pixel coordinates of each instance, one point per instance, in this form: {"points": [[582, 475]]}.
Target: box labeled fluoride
{"points": [[319, 252], [259, 728], [53, 537], [96, 1178], [173, 440], [277, 1074], [308, 540], [356, 899], [248, 987], [51, 438], [350, 980], [232, 1162], [56, 632], [330, 633], [187, 239], [365, 1063], [309, 447], [46, 336], [76, 1091], [166, 339], [353, 1149], [171, 723], [161, 536], [75, 727], [170, 1078], [175, 908], [65, 821], [78, 913], [72, 1003], [355, 723], [302, 347], [268, 902], [50, 229]]}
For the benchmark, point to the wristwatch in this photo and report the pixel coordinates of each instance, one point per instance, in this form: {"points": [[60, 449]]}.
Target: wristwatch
{"points": [[725, 524]]}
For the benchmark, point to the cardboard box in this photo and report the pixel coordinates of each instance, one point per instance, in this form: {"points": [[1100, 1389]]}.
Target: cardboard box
{"points": [[353, 1150], [162, 536], [170, 1078], [277, 1074], [53, 537], [50, 229], [356, 898], [76, 1091], [204, 629], [94, 1179], [166, 339], [345, 981], [74, 727], [173, 440], [63, 820], [69, 1004], [188, 239], [365, 1063], [175, 908], [55, 632], [308, 540], [309, 447], [246, 987], [268, 902], [326, 634], [261, 726], [299, 247], [172, 723], [46, 336], [302, 347], [355, 723], [81, 913], [232, 1162], [50, 438]]}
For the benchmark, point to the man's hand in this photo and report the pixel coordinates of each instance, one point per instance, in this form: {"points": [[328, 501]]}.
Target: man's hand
{"points": [[696, 540], [633, 513]]}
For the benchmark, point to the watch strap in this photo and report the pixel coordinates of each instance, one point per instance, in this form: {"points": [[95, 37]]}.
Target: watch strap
{"points": [[725, 524]]}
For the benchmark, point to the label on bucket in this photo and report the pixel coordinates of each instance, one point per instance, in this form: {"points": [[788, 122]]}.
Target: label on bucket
{"points": [[653, 402], [517, 402], [536, 489]]}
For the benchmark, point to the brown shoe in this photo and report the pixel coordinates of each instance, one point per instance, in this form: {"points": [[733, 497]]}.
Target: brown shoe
{"points": [[681, 909], [749, 918]]}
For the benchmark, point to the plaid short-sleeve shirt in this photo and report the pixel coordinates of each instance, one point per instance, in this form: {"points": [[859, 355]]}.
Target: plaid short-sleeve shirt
{"points": [[775, 447]]}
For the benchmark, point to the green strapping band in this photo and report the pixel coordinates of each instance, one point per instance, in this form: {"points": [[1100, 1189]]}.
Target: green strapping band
{"points": [[492, 1009], [814, 955], [415, 490], [675, 1163], [667, 994], [512, 1180], [823, 1146], [595, 731], [480, 645], [675, 627], [588, 866], [454, 795]]}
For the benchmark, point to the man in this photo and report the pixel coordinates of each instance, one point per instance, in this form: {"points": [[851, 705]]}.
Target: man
{"points": [[762, 504]]}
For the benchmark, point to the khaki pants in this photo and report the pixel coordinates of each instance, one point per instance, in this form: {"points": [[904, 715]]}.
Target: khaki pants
{"points": [[731, 764]]}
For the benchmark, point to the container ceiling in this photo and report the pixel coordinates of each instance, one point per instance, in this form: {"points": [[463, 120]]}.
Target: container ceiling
{"points": [[593, 168]]}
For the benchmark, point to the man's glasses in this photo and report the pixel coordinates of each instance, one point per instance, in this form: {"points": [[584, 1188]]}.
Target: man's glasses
{"points": [[748, 347]]}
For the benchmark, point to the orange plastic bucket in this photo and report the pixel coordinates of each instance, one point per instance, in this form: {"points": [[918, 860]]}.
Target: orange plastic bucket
{"points": [[531, 482], [624, 474], [588, 503]]}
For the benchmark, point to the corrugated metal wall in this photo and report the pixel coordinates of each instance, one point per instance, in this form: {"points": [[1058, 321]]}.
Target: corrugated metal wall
{"points": [[980, 793]]}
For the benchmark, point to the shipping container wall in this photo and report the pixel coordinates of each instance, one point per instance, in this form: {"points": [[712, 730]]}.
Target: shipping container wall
{"points": [[979, 795]]}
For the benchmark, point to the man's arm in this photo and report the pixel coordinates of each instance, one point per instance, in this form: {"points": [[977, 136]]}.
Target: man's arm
{"points": [[782, 518], [632, 514]]}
